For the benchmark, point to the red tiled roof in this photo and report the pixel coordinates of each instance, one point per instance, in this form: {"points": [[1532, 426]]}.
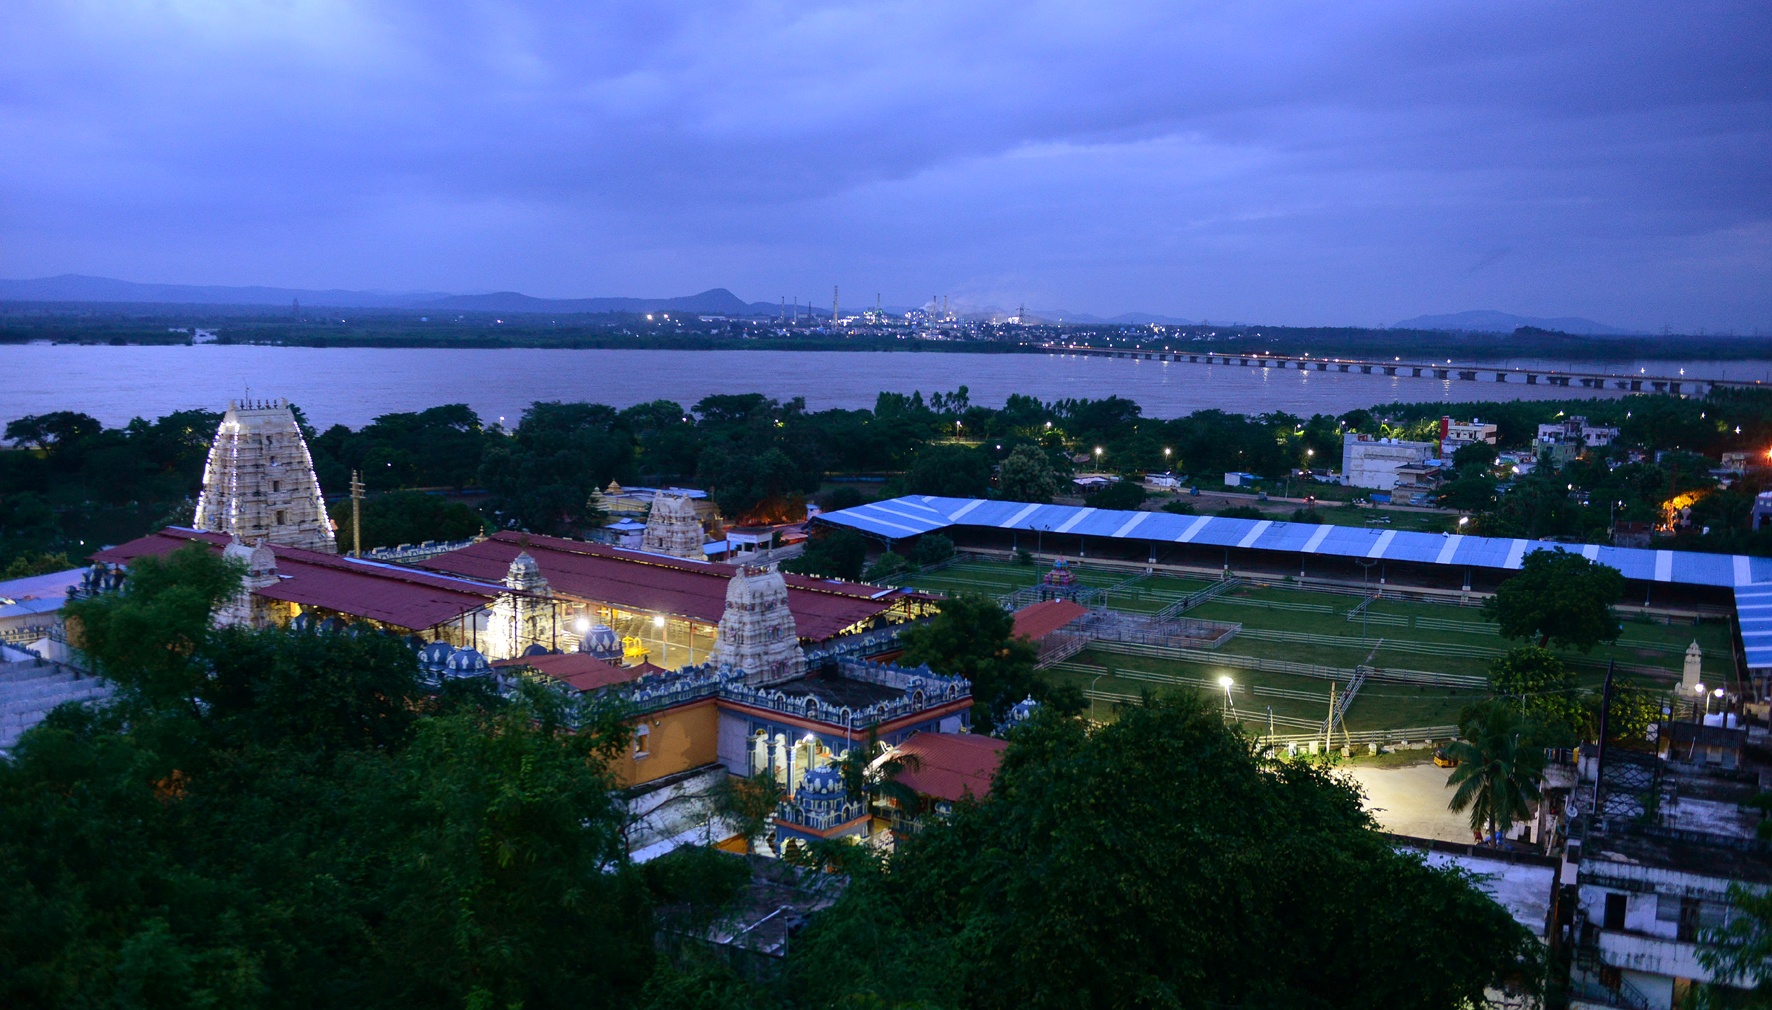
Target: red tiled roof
{"points": [[400, 597], [1037, 620], [577, 670], [951, 766], [657, 584]]}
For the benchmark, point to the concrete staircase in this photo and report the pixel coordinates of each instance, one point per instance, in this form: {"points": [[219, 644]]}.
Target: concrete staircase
{"points": [[30, 689]]}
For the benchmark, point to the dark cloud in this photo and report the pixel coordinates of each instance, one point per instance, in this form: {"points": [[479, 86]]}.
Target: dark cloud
{"points": [[1285, 161]]}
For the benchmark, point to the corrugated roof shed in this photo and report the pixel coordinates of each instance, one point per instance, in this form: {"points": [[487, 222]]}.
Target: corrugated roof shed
{"points": [[1037, 620], [1753, 609], [951, 766], [659, 584], [393, 595], [917, 514]]}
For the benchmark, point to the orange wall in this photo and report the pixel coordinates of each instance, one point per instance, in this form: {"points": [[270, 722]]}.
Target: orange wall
{"points": [[677, 740]]}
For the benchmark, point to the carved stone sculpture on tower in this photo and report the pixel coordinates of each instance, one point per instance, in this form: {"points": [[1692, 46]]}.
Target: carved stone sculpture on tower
{"points": [[673, 528], [243, 609], [757, 633], [259, 482]]}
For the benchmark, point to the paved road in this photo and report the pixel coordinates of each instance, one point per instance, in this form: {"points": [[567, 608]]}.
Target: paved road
{"points": [[1412, 801]]}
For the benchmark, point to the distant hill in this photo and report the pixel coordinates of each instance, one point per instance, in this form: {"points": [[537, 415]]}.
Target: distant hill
{"points": [[1490, 321], [79, 288], [718, 301]]}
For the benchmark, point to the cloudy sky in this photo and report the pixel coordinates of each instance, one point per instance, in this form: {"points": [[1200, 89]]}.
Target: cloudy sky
{"points": [[1349, 163]]}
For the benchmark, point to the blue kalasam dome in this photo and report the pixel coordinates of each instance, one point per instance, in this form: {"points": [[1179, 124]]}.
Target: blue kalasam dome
{"points": [[600, 641], [821, 784], [435, 656], [1023, 710], [302, 622], [468, 663], [536, 649]]}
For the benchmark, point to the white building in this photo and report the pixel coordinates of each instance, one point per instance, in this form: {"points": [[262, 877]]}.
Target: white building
{"points": [[1649, 880], [1372, 462], [1455, 435]]}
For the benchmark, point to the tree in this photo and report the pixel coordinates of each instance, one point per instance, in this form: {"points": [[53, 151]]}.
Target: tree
{"points": [[1543, 690], [1123, 495], [1500, 762], [1242, 512], [1741, 948], [1560, 598], [932, 548], [406, 517], [740, 480], [973, 637], [307, 826], [831, 554], [748, 804], [886, 566], [1156, 861], [1026, 475], [952, 471], [1308, 515]]}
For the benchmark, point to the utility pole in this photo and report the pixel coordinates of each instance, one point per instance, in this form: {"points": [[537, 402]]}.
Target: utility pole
{"points": [[356, 515], [1329, 731], [833, 306]]}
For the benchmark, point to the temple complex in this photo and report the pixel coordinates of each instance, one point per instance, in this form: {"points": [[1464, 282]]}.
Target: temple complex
{"points": [[672, 527], [259, 481]]}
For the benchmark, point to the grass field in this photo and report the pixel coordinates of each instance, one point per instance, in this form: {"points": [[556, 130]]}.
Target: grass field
{"points": [[1302, 626]]}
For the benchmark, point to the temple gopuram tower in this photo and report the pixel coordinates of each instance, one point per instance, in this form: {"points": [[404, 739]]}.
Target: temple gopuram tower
{"points": [[757, 632], [259, 482], [673, 528]]}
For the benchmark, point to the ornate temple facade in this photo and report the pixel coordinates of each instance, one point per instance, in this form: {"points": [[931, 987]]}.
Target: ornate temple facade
{"points": [[526, 615], [757, 632], [259, 482], [672, 527]]}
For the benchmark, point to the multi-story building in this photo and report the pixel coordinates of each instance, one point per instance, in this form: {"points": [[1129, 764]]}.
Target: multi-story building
{"points": [[1369, 461], [1455, 435], [1659, 839]]}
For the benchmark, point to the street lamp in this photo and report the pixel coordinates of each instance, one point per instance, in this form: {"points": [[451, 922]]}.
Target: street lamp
{"points": [[1092, 696], [1226, 683]]}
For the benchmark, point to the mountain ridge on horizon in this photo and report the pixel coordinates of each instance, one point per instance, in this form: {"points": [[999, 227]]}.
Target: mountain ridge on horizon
{"points": [[81, 288]]}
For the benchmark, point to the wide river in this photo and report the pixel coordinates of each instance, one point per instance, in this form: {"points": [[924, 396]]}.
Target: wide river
{"points": [[353, 385]]}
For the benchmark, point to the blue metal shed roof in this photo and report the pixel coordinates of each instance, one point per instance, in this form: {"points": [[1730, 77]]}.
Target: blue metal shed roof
{"points": [[916, 514], [1753, 609]]}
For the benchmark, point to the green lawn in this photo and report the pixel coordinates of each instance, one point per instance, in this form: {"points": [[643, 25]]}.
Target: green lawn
{"points": [[1393, 628]]}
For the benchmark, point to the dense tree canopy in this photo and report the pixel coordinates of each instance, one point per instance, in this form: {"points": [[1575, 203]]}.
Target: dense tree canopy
{"points": [[1558, 598], [972, 637], [273, 819], [1156, 862]]}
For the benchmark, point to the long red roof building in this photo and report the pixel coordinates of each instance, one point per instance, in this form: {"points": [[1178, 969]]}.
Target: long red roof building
{"points": [[658, 584]]}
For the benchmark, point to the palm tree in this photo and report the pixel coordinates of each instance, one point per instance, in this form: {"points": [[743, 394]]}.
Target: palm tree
{"points": [[1500, 763], [873, 767]]}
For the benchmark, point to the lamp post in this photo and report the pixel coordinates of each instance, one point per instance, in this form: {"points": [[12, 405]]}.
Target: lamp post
{"points": [[1229, 706], [1092, 696], [1698, 692]]}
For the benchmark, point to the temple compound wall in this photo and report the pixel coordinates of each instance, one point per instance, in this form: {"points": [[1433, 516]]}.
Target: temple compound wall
{"points": [[259, 481]]}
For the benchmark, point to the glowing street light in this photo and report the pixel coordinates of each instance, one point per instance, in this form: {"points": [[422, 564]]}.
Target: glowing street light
{"points": [[1226, 683]]}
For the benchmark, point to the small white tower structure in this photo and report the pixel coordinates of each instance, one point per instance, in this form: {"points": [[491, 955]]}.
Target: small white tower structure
{"points": [[1692, 673], [259, 482], [261, 571], [757, 633], [523, 616], [673, 528]]}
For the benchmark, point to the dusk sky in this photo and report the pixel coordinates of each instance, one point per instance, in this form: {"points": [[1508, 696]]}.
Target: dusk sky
{"points": [[1352, 163]]}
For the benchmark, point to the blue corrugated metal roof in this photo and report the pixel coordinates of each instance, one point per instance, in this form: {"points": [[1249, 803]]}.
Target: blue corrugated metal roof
{"points": [[1753, 609], [915, 514]]}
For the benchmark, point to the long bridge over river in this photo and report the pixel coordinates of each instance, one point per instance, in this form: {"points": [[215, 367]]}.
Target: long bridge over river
{"points": [[1640, 383]]}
